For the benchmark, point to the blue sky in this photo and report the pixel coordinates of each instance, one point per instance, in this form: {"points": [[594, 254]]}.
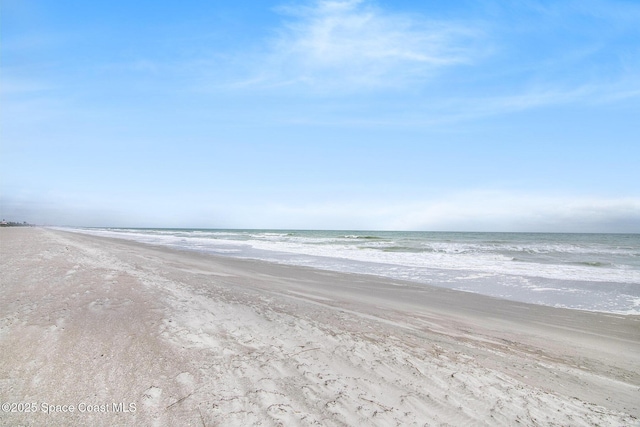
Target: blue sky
{"points": [[464, 115]]}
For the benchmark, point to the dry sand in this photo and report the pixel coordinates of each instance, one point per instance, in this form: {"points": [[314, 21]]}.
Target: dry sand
{"points": [[146, 335]]}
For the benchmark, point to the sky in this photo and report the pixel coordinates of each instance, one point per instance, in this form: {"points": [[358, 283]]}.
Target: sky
{"points": [[518, 115]]}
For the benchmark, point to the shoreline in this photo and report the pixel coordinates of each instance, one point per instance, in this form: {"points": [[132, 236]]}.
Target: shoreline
{"points": [[205, 339], [580, 277], [372, 276]]}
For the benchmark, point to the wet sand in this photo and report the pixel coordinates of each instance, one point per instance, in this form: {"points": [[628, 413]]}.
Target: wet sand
{"points": [[130, 334]]}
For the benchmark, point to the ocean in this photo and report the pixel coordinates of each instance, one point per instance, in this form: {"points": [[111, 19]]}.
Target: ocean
{"points": [[595, 272]]}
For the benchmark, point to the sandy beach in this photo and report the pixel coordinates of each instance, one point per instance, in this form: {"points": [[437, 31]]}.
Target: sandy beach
{"points": [[99, 331]]}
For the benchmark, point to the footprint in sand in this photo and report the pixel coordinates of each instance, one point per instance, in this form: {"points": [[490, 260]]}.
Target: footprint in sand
{"points": [[151, 397]]}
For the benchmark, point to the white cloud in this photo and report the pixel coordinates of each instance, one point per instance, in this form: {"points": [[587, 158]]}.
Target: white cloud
{"points": [[488, 211], [464, 211], [342, 47], [352, 44], [470, 211]]}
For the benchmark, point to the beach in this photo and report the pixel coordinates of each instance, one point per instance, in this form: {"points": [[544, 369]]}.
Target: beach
{"points": [[102, 331]]}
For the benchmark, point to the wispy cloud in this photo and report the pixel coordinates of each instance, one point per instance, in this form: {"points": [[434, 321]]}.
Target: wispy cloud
{"points": [[455, 70], [352, 44], [11, 86], [592, 93]]}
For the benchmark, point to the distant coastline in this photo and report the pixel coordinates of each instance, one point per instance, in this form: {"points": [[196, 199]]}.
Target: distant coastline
{"points": [[5, 223]]}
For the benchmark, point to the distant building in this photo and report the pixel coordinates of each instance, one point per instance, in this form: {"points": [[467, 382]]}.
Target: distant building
{"points": [[5, 223]]}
